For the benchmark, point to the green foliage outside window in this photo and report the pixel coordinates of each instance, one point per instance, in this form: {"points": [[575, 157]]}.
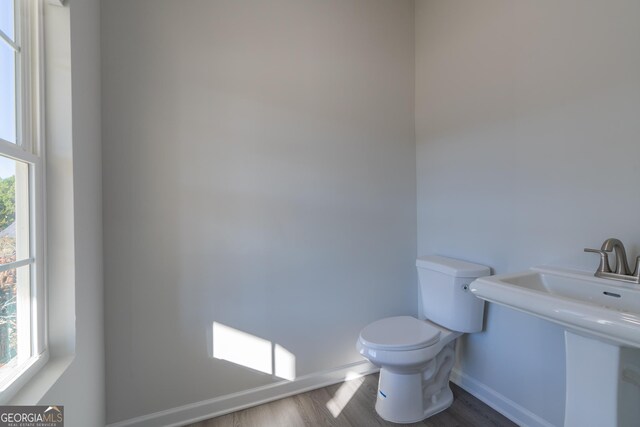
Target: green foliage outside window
{"points": [[7, 201], [8, 331]]}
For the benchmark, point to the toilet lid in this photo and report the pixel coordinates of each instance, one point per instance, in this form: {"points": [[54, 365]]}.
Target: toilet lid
{"points": [[399, 333]]}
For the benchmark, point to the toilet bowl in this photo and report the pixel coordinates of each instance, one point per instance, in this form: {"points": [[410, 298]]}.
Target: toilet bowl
{"points": [[415, 356]]}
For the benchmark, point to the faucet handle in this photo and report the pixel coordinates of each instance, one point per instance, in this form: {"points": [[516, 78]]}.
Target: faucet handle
{"points": [[604, 259], [636, 272]]}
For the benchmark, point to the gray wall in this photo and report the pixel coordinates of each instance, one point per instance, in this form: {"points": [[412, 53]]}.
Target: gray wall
{"points": [[527, 127], [259, 172]]}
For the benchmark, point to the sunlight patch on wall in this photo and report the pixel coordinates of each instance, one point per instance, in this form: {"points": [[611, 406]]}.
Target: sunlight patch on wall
{"points": [[344, 394], [241, 348], [252, 352], [284, 363]]}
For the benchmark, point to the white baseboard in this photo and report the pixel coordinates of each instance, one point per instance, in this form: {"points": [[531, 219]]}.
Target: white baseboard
{"points": [[507, 407], [206, 409]]}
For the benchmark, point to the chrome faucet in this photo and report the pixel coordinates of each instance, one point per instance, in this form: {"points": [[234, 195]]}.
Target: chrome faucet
{"points": [[622, 271], [621, 255]]}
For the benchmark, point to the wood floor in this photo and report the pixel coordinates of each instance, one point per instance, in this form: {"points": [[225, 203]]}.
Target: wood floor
{"points": [[351, 404]]}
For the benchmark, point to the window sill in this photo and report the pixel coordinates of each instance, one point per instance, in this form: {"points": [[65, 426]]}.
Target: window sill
{"points": [[41, 380]]}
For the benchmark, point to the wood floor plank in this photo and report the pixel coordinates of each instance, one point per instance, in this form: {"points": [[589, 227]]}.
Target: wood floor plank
{"points": [[306, 409], [471, 411], [351, 404], [283, 413], [222, 421], [256, 416], [356, 400], [319, 400]]}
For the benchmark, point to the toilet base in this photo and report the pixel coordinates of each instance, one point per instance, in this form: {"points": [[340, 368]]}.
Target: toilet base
{"points": [[412, 397]]}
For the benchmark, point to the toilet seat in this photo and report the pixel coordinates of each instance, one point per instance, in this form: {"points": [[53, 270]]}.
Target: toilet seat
{"points": [[400, 333]]}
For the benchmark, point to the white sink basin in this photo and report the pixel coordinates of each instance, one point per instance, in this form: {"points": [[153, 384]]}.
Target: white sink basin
{"points": [[602, 337], [606, 309]]}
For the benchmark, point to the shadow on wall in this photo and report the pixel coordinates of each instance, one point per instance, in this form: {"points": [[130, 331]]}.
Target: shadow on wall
{"points": [[244, 349]]}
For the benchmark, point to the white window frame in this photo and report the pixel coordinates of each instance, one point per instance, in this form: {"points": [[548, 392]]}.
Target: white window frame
{"points": [[29, 148]]}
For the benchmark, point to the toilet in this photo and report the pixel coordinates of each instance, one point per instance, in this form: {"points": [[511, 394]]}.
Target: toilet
{"points": [[416, 356]]}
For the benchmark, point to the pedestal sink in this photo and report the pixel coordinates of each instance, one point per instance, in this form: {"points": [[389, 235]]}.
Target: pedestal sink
{"points": [[601, 318]]}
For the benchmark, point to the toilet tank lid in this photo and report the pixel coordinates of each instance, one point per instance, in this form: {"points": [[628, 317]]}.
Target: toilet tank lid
{"points": [[452, 267]]}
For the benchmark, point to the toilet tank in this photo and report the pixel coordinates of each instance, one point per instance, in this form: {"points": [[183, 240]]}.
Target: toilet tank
{"points": [[444, 289]]}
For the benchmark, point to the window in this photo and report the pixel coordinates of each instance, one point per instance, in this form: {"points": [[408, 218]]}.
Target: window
{"points": [[22, 302]]}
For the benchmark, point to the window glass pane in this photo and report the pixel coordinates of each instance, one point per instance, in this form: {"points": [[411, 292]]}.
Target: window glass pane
{"points": [[8, 317], [7, 93], [15, 320], [7, 20], [14, 210]]}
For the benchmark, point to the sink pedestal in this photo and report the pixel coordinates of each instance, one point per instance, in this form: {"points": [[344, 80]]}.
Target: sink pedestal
{"points": [[601, 318], [603, 383]]}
